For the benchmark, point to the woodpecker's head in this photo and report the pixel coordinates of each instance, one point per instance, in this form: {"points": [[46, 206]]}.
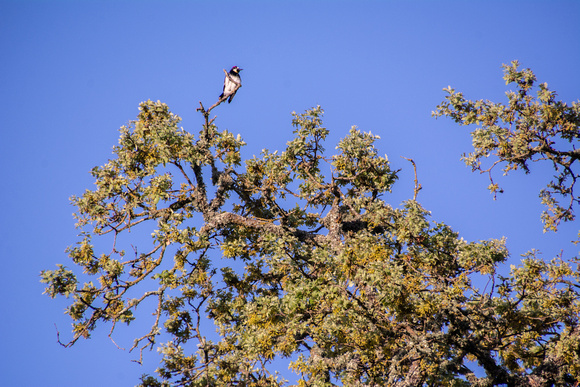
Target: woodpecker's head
{"points": [[235, 70]]}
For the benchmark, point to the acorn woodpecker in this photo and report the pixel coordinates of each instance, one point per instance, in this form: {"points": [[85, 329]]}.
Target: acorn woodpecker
{"points": [[231, 83]]}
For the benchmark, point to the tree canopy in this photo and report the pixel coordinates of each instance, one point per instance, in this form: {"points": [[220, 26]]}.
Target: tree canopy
{"points": [[298, 255]]}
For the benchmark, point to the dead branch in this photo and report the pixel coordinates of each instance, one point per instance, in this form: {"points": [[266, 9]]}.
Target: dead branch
{"points": [[417, 185]]}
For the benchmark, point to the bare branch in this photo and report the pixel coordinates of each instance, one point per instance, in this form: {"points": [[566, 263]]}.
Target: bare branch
{"points": [[417, 185]]}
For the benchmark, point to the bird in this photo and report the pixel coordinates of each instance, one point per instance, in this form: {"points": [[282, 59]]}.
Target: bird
{"points": [[232, 83]]}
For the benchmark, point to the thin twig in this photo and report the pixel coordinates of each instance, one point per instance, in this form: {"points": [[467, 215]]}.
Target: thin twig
{"points": [[111, 335], [58, 338], [417, 185]]}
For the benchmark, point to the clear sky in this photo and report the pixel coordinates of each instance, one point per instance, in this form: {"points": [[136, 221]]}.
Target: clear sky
{"points": [[73, 72]]}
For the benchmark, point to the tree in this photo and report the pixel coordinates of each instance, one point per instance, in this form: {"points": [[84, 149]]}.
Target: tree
{"points": [[319, 269]]}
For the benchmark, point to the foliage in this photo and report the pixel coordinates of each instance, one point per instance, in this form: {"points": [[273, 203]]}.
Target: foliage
{"points": [[524, 130], [289, 263]]}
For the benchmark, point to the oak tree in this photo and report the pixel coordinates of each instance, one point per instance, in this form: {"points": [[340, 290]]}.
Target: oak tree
{"points": [[299, 255]]}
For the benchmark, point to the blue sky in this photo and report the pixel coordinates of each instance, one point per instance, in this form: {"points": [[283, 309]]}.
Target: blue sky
{"points": [[73, 72]]}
